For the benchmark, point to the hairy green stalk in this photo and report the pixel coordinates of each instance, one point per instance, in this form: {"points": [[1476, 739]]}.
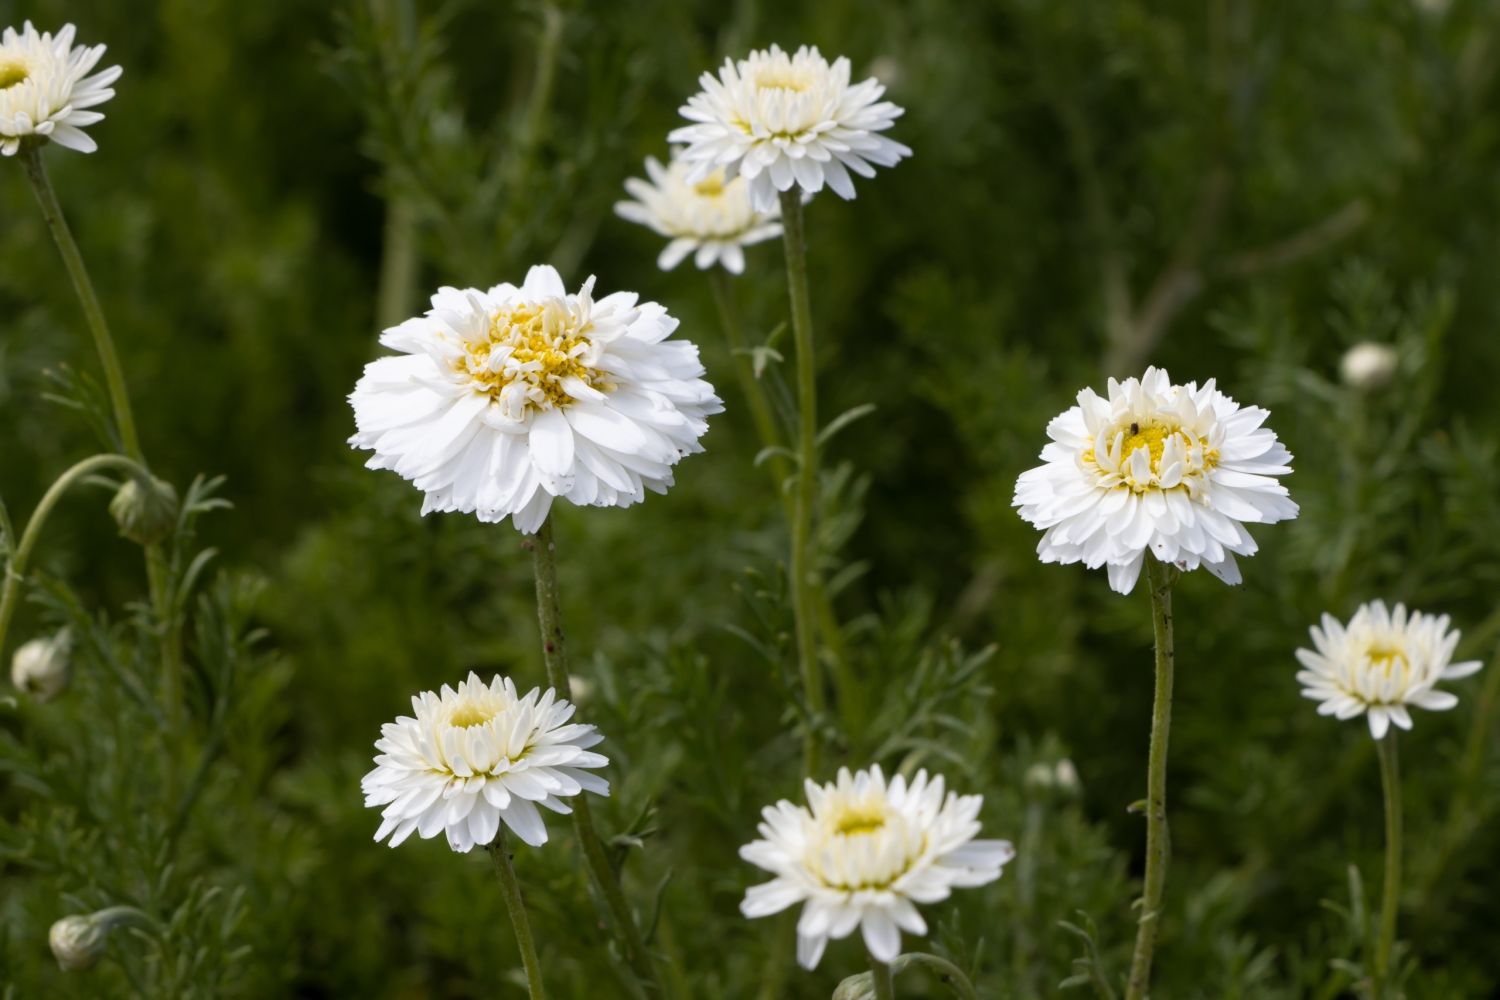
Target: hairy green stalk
{"points": [[1390, 783], [1158, 845], [510, 888], [803, 586], [554, 653], [885, 986]]}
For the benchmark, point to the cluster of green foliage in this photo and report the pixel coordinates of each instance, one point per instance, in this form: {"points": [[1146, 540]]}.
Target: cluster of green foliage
{"points": [[1230, 189]]}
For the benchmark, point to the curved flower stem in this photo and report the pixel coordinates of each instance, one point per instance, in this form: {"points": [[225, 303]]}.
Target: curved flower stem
{"points": [[801, 570], [511, 890], [1158, 845], [114, 375], [158, 572], [952, 976], [885, 987], [15, 571], [1390, 783], [554, 653]]}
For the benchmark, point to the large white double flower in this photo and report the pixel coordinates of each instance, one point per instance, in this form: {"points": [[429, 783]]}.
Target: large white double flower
{"points": [[1178, 470], [502, 400], [783, 121], [469, 759], [864, 852], [45, 89], [1381, 664]]}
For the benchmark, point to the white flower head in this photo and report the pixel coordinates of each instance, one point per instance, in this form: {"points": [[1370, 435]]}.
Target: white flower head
{"points": [[1380, 664], [45, 89], [42, 667], [477, 756], [783, 121], [863, 852], [502, 400], [711, 219], [1369, 366], [1178, 470]]}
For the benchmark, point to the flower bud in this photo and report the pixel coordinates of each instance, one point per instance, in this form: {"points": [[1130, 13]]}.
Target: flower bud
{"points": [[1039, 777], [860, 986], [1067, 777], [1368, 366], [78, 940], [41, 667], [145, 508]]}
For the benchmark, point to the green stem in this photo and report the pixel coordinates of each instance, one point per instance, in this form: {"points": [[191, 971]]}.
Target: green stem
{"points": [[15, 572], [1390, 783], [511, 890], [750, 387], [114, 375], [885, 987], [803, 585], [554, 653], [1158, 846], [398, 262], [951, 975]]}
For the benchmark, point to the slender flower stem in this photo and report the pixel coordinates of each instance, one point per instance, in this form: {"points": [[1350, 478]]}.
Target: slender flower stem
{"points": [[885, 987], [158, 572], [114, 375], [803, 586], [750, 387], [1158, 846], [1390, 783], [951, 975], [554, 653], [15, 571], [511, 889]]}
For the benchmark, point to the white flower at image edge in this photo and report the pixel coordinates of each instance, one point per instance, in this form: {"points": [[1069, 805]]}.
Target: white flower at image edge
{"points": [[502, 400], [467, 760], [783, 121], [45, 90], [863, 852], [1178, 470], [1381, 664], [710, 219]]}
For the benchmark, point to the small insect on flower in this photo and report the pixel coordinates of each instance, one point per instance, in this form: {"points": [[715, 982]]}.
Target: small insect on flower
{"points": [[502, 400], [711, 219], [863, 852], [471, 758], [45, 91], [788, 120], [1381, 664], [1178, 470]]}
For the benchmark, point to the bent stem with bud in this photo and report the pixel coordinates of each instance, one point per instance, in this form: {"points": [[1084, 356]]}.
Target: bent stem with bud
{"points": [[1160, 576], [803, 585], [1390, 783], [516, 906], [554, 653]]}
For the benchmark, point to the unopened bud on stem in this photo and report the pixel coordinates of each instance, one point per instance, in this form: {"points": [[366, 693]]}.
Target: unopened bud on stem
{"points": [[79, 940], [145, 508], [42, 667]]}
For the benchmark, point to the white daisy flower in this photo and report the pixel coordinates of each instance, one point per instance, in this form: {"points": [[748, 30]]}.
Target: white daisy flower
{"points": [[1381, 663], [502, 400], [864, 852], [478, 756], [710, 219], [782, 120], [45, 90], [1176, 469]]}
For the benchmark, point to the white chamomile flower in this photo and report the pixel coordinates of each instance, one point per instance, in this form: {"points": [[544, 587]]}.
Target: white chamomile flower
{"points": [[1381, 663], [781, 120], [1178, 470], [710, 219], [501, 400], [45, 89], [863, 852], [477, 756]]}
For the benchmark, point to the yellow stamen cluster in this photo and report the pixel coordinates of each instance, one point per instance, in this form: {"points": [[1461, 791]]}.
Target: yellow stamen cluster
{"points": [[12, 72], [1388, 658], [711, 186], [857, 822], [782, 79], [539, 344]]}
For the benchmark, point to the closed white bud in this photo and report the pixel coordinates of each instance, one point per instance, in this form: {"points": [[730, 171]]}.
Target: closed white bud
{"points": [[1039, 777], [78, 940], [860, 986], [1061, 777], [579, 689], [1067, 776], [41, 667], [1368, 366]]}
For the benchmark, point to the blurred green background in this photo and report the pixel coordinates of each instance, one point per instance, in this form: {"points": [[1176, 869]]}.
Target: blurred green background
{"points": [[1232, 189]]}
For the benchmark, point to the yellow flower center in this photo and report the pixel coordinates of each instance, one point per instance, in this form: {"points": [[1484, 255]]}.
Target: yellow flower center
{"points": [[469, 714], [12, 72], [781, 79], [1194, 452], [539, 345], [711, 186], [1387, 658], [1152, 436], [857, 822]]}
